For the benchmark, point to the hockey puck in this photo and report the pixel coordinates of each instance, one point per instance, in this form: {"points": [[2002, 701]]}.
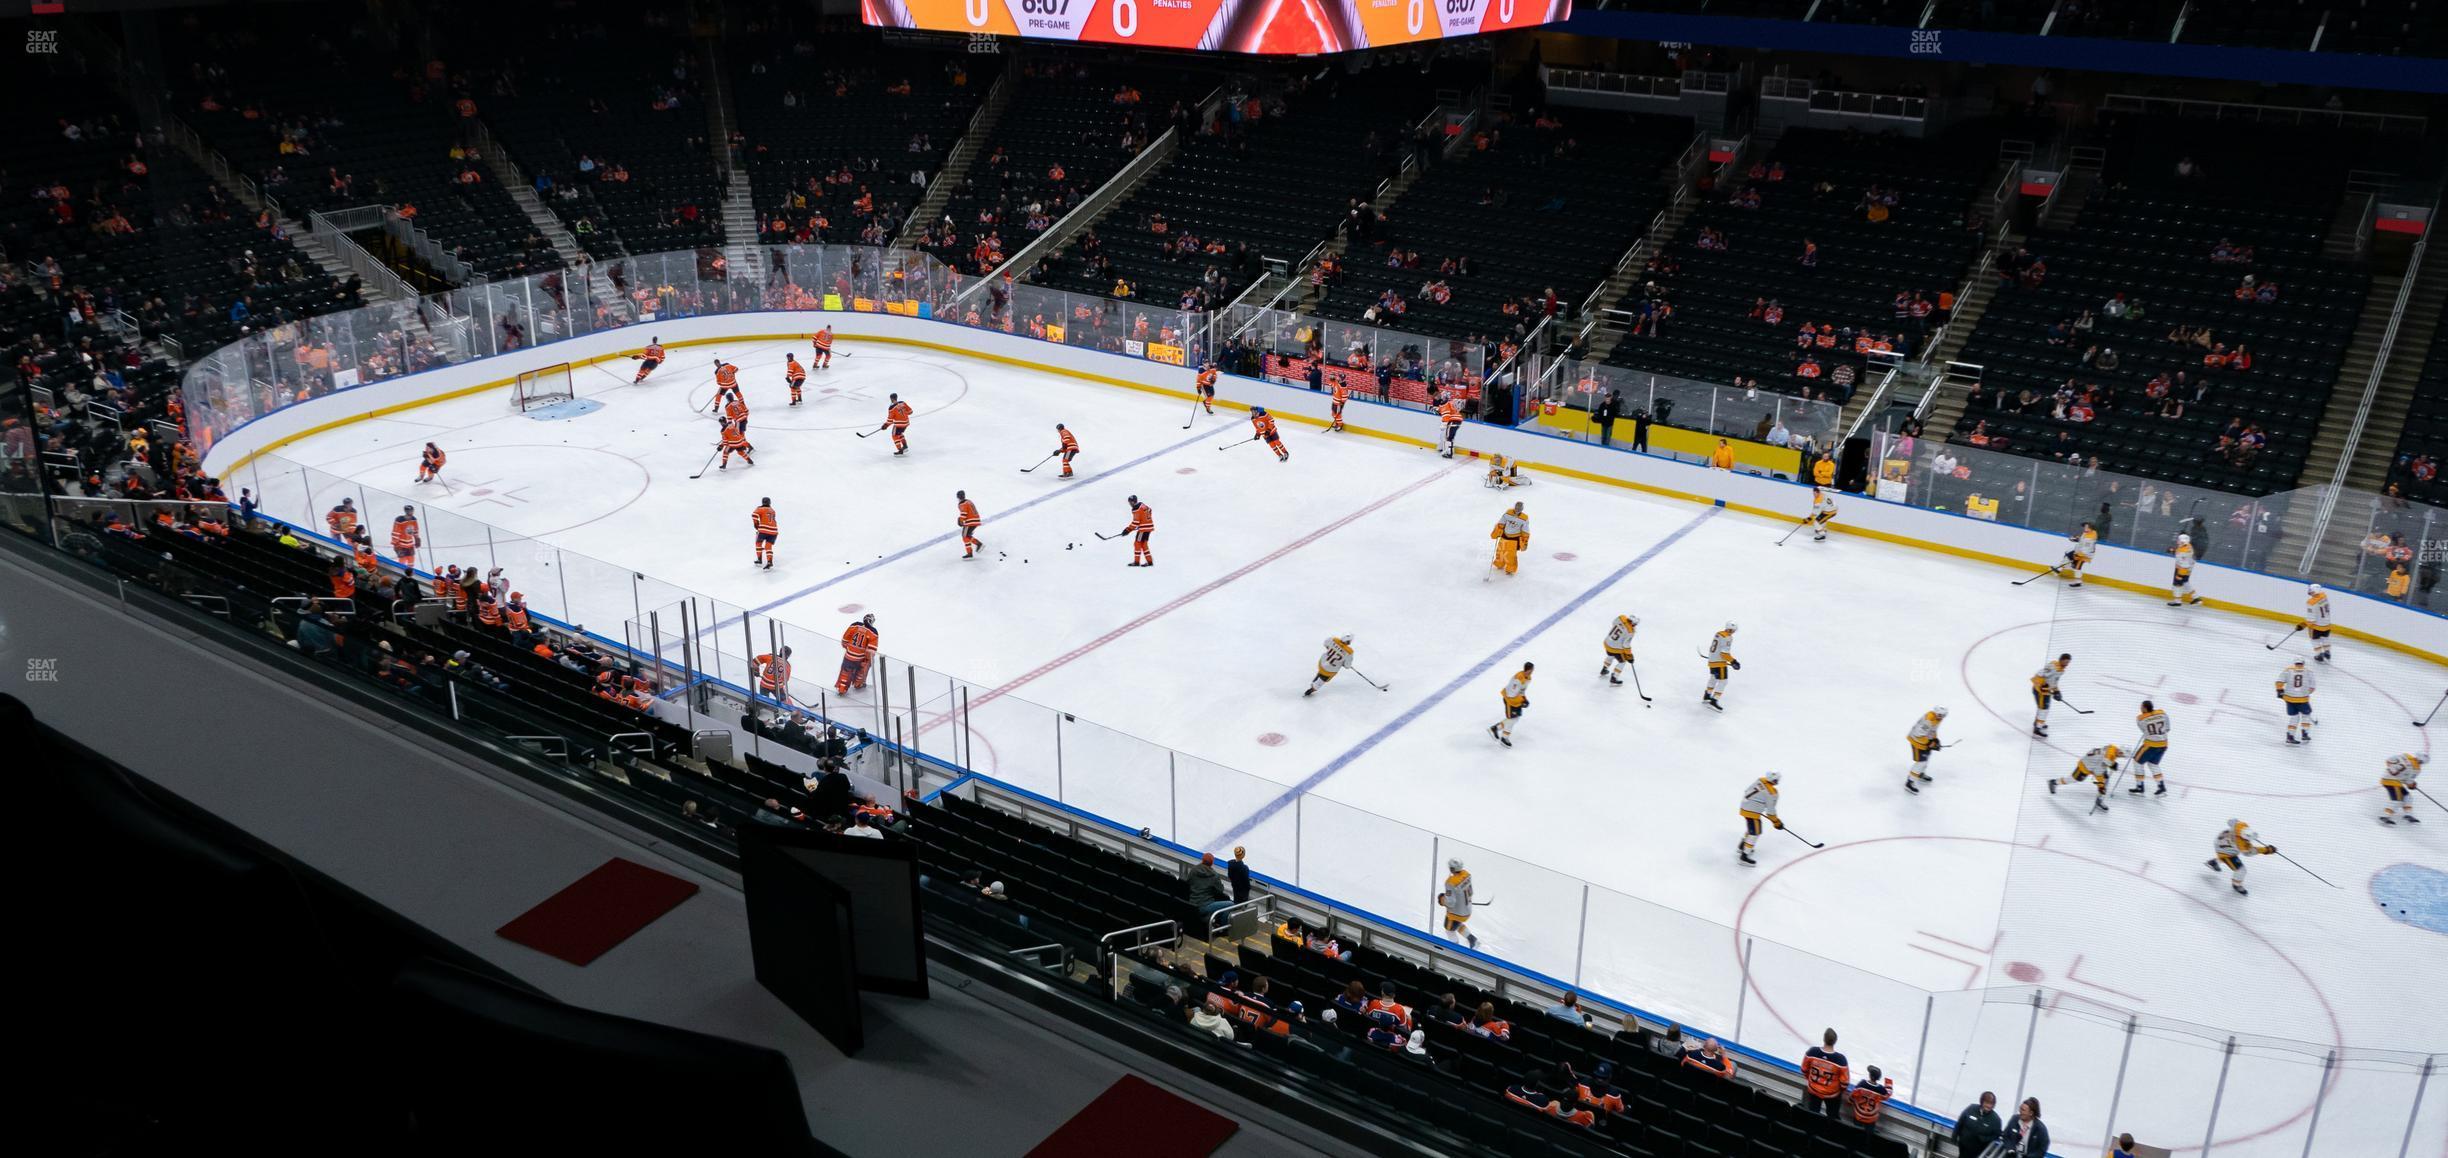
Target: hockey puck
{"points": [[1068, 718]]}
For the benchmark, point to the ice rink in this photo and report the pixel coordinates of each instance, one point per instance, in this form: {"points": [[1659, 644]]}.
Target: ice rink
{"points": [[1982, 883]]}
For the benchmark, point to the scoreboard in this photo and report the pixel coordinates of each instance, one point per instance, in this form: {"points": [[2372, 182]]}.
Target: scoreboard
{"points": [[1262, 27]]}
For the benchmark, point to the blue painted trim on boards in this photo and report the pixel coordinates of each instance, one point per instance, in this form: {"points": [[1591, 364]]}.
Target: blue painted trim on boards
{"points": [[1471, 676], [931, 797]]}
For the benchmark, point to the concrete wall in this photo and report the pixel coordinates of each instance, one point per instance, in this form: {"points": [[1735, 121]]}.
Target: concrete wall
{"points": [[2029, 551]]}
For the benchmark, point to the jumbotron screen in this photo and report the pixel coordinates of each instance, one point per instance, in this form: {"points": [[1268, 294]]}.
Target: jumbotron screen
{"points": [[1264, 27]]}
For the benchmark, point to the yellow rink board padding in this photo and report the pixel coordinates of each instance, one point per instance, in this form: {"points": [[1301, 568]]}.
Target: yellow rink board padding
{"points": [[1685, 442]]}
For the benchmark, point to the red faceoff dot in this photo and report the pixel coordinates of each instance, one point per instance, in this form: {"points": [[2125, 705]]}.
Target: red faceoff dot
{"points": [[1272, 739]]}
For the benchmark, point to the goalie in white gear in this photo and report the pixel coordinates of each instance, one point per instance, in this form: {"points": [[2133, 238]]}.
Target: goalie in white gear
{"points": [[1924, 741], [1619, 648], [1759, 805], [2097, 765], [1338, 656], [2398, 782], [1505, 472], [2235, 842]]}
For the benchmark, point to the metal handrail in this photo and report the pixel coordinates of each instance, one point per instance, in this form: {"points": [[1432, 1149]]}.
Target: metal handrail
{"points": [[544, 743], [2371, 390], [956, 157], [614, 741], [1036, 954], [1105, 947]]}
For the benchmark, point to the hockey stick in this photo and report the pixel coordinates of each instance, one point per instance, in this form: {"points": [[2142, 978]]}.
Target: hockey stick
{"points": [[1802, 838], [1243, 442], [2071, 708], [1646, 702], [2282, 640], [1103, 535], [709, 464], [1370, 682], [1040, 462], [1194, 409], [2427, 796], [1796, 527], [870, 433], [2426, 720], [2299, 864], [2053, 569]]}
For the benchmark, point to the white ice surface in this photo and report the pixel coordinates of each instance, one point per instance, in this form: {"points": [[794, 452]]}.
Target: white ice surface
{"points": [[1981, 883]]}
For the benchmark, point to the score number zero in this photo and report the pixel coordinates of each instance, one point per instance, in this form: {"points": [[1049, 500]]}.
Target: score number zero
{"points": [[1125, 13]]}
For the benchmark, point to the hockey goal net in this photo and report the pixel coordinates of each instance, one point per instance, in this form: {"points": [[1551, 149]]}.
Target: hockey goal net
{"points": [[542, 387]]}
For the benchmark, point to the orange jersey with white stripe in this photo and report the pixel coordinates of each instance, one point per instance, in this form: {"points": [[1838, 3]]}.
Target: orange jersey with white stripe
{"points": [[1342, 392], [735, 409], [1450, 413], [824, 339], [969, 514], [1143, 518], [1068, 442], [765, 523], [734, 437], [899, 414], [859, 642], [404, 531], [1264, 424], [654, 352], [1207, 378], [726, 376], [795, 372], [432, 458]]}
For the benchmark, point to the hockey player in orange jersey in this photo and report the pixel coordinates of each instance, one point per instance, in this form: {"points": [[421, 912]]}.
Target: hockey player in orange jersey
{"points": [[648, 359], [767, 530], [795, 374], [821, 355], [897, 418], [858, 650], [1142, 524], [735, 441], [429, 463], [1264, 424], [1342, 394], [967, 520], [1206, 387], [1067, 449]]}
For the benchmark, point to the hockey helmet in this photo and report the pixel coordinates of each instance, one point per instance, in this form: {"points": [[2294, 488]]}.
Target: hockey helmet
{"points": [[868, 619], [2184, 540], [1454, 865], [1772, 777], [1938, 712], [2315, 589], [2112, 752], [1729, 627]]}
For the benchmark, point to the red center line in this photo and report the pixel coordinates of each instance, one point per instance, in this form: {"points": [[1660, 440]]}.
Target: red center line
{"points": [[1188, 597]]}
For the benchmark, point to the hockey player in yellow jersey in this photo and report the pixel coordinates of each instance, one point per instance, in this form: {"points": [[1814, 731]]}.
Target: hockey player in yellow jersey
{"points": [[2234, 843], [1456, 898], [2150, 749], [1618, 648], [2317, 620], [1516, 696], [1759, 805], [1338, 656], [1512, 533], [2180, 588], [1923, 738], [1505, 472], [2398, 782], [2097, 766], [2079, 551], [1823, 512], [2044, 691], [2295, 690], [1720, 660]]}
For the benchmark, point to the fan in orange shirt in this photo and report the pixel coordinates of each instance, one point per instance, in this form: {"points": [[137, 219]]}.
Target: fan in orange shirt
{"points": [[967, 521], [648, 359]]}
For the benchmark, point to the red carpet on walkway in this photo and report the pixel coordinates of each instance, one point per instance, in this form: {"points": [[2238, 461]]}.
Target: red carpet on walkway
{"points": [[1135, 1118], [602, 909]]}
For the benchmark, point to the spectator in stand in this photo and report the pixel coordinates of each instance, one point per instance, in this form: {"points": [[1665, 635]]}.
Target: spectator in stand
{"points": [[1569, 1010], [1237, 872], [1709, 1058], [2124, 1147], [1207, 891], [1868, 1097], [1208, 1017], [2026, 1136], [1977, 1126], [1824, 1075], [1353, 1001], [1487, 1024]]}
